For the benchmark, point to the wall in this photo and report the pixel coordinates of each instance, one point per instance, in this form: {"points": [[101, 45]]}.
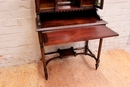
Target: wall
{"points": [[18, 37], [19, 40]]}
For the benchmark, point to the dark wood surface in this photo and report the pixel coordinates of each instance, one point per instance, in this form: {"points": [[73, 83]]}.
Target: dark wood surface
{"points": [[51, 6], [55, 15], [60, 20], [77, 34], [47, 4], [68, 21], [66, 52], [86, 2]]}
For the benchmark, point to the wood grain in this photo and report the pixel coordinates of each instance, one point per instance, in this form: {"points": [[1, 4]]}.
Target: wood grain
{"points": [[77, 34]]}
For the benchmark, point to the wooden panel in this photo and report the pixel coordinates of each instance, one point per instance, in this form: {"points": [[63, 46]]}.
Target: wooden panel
{"points": [[46, 4], [77, 34], [68, 21], [87, 2]]}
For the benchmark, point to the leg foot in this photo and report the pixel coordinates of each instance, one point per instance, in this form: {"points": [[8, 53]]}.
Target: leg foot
{"points": [[45, 72], [97, 63]]}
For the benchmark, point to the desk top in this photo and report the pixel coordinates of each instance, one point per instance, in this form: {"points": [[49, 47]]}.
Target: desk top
{"points": [[77, 34]]}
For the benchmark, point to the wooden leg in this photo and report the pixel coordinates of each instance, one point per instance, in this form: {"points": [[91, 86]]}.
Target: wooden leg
{"points": [[44, 61], [42, 54], [86, 47], [99, 52], [88, 51]]}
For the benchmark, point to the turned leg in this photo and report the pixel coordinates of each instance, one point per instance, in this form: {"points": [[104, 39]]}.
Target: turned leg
{"points": [[86, 47], [99, 52], [44, 61], [42, 54]]}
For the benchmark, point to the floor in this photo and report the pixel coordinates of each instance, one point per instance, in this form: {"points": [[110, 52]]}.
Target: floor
{"points": [[114, 71], [127, 48]]}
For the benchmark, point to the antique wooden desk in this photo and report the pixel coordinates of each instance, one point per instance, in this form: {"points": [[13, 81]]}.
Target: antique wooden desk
{"points": [[65, 21]]}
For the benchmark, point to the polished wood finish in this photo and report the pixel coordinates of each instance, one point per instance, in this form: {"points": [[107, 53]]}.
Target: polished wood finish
{"points": [[47, 5], [68, 21], [42, 54], [52, 5], [87, 2], [77, 34], [60, 20], [82, 16], [65, 21]]}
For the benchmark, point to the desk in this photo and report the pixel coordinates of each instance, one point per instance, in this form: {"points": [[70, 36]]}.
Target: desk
{"points": [[68, 35]]}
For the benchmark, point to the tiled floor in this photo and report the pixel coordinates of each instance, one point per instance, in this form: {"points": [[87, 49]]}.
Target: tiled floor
{"points": [[114, 71]]}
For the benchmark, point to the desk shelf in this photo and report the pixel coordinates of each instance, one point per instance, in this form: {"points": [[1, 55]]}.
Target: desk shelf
{"points": [[66, 52]]}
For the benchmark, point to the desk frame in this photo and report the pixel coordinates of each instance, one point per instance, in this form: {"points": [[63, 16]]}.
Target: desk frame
{"points": [[92, 30]]}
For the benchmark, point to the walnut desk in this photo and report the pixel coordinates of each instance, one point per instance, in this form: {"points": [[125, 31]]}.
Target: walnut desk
{"points": [[68, 35], [65, 21]]}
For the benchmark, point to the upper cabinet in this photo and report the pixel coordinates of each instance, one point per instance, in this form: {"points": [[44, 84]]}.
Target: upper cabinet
{"points": [[61, 5]]}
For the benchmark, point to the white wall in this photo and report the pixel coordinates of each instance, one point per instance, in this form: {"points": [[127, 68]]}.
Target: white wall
{"points": [[19, 40]]}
